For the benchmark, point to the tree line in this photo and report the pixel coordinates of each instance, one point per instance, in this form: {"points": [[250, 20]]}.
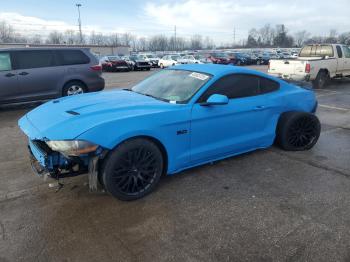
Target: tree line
{"points": [[278, 36], [266, 36]]}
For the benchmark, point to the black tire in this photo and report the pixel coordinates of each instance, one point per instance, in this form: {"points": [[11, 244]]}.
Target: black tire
{"points": [[133, 169], [297, 131], [322, 80], [69, 88]]}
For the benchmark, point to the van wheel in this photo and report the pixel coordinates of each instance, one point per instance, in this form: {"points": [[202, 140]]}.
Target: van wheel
{"points": [[74, 88], [297, 131], [322, 80]]}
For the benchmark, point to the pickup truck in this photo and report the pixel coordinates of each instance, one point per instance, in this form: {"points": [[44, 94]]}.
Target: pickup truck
{"points": [[317, 63]]}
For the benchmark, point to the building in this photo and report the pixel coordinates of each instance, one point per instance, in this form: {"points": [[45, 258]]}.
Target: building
{"points": [[99, 50]]}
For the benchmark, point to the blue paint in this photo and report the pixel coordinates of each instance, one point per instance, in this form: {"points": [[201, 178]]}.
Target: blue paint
{"points": [[212, 132]]}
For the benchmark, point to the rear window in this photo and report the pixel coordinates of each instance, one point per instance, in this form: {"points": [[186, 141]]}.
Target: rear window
{"points": [[267, 85], [72, 57], [5, 62], [316, 51], [34, 59]]}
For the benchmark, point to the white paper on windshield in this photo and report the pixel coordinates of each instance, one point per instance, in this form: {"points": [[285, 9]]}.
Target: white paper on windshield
{"points": [[199, 76]]}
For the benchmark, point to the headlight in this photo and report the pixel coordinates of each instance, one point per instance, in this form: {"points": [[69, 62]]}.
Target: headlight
{"points": [[73, 147]]}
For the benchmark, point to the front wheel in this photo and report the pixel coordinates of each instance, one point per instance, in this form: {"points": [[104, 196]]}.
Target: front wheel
{"points": [[133, 169], [297, 131], [73, 88]]}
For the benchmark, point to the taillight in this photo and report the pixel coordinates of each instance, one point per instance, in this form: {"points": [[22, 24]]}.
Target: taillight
{"points": [[307, 68], [96, 68]]}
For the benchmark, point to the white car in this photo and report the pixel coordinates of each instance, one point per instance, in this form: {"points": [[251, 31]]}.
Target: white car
{"points": [[168, 60], [189, 59], [317, 63]]}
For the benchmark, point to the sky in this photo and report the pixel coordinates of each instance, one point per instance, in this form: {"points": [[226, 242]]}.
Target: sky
{"points": [[217, 18]]}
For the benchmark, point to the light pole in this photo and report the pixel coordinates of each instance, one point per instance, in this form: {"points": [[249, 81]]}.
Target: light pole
{"points": [[79, 23]]}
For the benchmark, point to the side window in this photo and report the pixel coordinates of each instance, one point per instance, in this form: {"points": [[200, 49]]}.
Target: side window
{"points": [[340, 53], [5, 62], [34, 59], [267, 85], [233, 86], [72, 57], [346, 51]]}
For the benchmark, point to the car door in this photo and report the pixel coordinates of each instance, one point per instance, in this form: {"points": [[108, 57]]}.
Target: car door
{"points": [[236, 127], [346, 52], [38, 75], [341, 60], [9, 87]]}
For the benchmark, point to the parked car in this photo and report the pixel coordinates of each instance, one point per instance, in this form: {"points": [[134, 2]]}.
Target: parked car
{"points": [[265, 58], [150, 58], [140, 63], [113, 63], [34, 74], [188, 59], [176, 119], [222, 58], [239, 58], [168, 60], [131, 64], [316, 63]]}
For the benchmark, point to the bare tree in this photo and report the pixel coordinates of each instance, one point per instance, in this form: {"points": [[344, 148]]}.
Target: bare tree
{"points": [[6, 32], [196, 42], [126, 39], [300, 37], [55, 37]]}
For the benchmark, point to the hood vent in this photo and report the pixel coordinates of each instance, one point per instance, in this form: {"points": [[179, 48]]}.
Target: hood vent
{"points": [[72, 113]]}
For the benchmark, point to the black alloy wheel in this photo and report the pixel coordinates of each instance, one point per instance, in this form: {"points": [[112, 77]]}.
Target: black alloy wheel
{"points": [[298, 131], [133, 169]]}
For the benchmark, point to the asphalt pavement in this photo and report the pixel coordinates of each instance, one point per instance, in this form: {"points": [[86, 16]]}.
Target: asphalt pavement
{"points": [[268, 205]]}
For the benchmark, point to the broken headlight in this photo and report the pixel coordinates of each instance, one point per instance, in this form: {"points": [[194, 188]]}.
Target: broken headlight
{"points": [[72, 147]]}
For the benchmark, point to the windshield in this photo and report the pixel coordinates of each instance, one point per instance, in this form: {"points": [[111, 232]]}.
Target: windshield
{"points": [[175, 57], [150, 56], [113, 58], [223, 55], [172, 85]]}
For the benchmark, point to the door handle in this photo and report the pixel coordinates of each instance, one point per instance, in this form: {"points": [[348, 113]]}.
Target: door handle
{"points": [[23, 73], [259, 108], [10, 75]]}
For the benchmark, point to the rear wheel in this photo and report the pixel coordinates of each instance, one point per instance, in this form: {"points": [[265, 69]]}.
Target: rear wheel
{"points": [[322, 80], [297, 131], [133, 169], [74, 88]]}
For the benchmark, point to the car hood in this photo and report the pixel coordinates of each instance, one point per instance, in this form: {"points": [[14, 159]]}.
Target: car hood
{"points": [[69, 117]]}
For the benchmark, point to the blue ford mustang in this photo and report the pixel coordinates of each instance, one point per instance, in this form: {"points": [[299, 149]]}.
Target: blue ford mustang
{"points": [[175, 119]]}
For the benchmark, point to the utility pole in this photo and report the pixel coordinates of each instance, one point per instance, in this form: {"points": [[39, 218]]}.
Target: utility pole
{"points": [[234, 36], [79, 23], [175, 44]]}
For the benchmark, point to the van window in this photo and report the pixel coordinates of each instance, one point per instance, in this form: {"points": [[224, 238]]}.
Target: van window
{"points": [[33, 59], [316, 50], [72, 57], [5, 62]]}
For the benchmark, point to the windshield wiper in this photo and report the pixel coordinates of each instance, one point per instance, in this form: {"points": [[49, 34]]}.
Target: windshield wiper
{"points": [[158, 98]]}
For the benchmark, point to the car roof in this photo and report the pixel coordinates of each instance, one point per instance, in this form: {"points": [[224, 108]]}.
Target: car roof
{"points": [[217, 70]]}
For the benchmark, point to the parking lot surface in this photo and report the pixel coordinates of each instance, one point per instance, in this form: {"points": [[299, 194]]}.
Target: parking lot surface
{"points": [[268, 205]]}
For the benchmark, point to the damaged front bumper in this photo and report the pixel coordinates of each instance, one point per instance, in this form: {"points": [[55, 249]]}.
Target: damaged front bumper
{"points": [[46, 162]]}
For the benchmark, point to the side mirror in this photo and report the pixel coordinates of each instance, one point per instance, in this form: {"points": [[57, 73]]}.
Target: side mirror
{"points": [[216, 99]]}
